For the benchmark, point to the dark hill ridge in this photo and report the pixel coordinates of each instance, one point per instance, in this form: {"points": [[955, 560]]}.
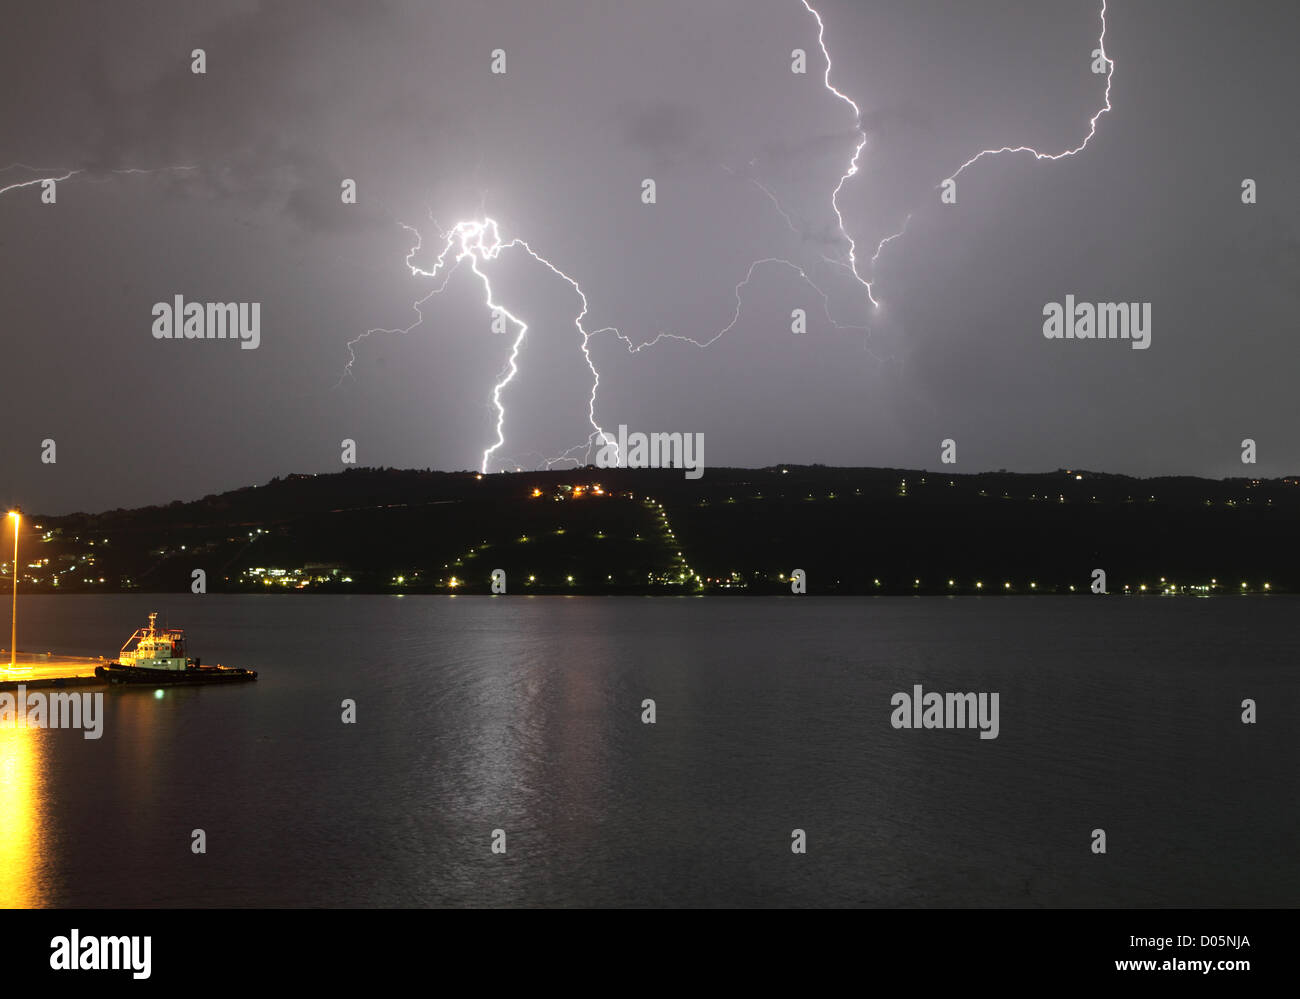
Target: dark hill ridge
{"points": [[853, 530]]}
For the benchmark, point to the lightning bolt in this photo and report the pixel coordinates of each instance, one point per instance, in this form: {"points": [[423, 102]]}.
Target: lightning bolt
{"points": [[60, 174], [735, 317], [852, 168], [1092, 122], [853, 162], [66, 175], [769, 194], [889, 239], [479, 241]]}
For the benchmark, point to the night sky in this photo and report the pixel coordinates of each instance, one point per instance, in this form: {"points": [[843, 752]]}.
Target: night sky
{"points": [[700, 97]]}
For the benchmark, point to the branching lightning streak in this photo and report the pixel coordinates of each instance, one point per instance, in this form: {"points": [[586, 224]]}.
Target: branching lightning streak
{"points": [[480, 241], [735, 317], [853, 163], [889, 239], [67, 174], [415, 271], [1092, 122], [60, 174], [771, 196]]}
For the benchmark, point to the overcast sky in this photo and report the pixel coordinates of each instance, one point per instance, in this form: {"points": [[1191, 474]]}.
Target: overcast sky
{"points": [[596, 98]]}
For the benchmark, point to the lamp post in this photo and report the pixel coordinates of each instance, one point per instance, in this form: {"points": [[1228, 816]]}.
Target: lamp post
{"points": [[13, 634]]}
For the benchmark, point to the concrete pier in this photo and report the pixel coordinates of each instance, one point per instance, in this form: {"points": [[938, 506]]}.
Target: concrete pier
{"points": [[37, 670]]}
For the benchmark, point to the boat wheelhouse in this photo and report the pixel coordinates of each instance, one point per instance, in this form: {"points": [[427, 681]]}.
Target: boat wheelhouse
{"points": [[155, 649]]}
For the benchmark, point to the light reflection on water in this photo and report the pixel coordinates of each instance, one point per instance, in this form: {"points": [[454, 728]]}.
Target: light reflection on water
{"points": [[773, 713], [22, 817]]}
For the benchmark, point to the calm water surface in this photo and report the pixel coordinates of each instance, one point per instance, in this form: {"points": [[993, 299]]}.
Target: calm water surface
{"points": [[524, 714]]}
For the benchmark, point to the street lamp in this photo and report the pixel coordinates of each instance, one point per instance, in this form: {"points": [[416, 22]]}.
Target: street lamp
{"points": [[13, 635]]}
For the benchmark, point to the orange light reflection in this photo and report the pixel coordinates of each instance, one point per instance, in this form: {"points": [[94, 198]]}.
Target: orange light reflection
{"points": [[21, 819]]}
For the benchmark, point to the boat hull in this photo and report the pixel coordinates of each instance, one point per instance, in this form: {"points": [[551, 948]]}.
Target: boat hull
{"points": [[116, 673]]}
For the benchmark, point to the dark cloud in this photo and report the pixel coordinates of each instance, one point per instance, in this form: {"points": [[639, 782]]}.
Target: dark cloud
{"points": [[399, 97], [668, 132]]}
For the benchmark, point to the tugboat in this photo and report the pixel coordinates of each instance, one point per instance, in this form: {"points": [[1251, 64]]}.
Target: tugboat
{"points": [[159, 658]]}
